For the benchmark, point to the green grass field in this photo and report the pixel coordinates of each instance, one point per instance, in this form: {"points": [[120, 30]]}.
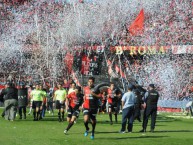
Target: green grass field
{"points": [[169, 131]]}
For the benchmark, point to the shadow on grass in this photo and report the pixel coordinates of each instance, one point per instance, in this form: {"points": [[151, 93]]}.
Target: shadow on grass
{"points": [[104, 132], [107, 122], [165, 119], [180, 131], [162, 131], [31, 119], [129, 137]]}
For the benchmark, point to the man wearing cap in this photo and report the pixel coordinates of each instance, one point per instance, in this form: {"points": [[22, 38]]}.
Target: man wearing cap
{"points": [[128, 102], [151, 108], [74, 102], [22, 100], [60, 97]]}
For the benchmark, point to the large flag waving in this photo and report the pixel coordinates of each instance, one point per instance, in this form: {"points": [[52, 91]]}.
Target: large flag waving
{"points": [[137, 27], [68, 60]]}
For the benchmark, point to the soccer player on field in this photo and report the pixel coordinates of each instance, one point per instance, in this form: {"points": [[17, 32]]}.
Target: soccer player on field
{"points": [[114, 96], [37, 97], [30, 89], [43, 108], [74, 101], [90, 106], [60, 97], [72, 88]]}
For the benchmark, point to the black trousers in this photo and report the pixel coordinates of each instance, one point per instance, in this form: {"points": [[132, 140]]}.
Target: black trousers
{"points": [[137, 114], [150, 110], [20, 110]]}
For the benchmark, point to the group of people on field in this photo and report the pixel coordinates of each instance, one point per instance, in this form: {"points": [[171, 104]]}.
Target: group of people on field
{"points": [[89, 99]]}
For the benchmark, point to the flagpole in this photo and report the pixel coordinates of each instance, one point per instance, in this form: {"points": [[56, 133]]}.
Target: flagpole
{"points": [[121, 73]]}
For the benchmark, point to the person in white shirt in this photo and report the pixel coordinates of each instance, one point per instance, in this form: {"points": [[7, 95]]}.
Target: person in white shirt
{"points": [[189, 107], [72, 88], [128, 102]]}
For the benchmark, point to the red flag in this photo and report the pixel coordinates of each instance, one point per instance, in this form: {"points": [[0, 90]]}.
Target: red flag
{"points": [[69, 61], [85, 65], [109, 67], [117, 69], [75, 78], [192, 8], [2, 87], [81, 1], [137, 26]]}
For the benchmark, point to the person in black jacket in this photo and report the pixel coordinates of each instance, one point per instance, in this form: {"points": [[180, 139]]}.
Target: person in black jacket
{"points": [[1, 97], [2, 100], [22, 100], [10, 101], [137, 114], [151, 108]]}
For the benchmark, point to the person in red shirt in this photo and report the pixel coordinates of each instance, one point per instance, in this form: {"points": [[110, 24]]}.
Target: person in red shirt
{"points": [[90, 106], [114, 96], [74, 101], [66, 85], [2, 99], [103, 102]]}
